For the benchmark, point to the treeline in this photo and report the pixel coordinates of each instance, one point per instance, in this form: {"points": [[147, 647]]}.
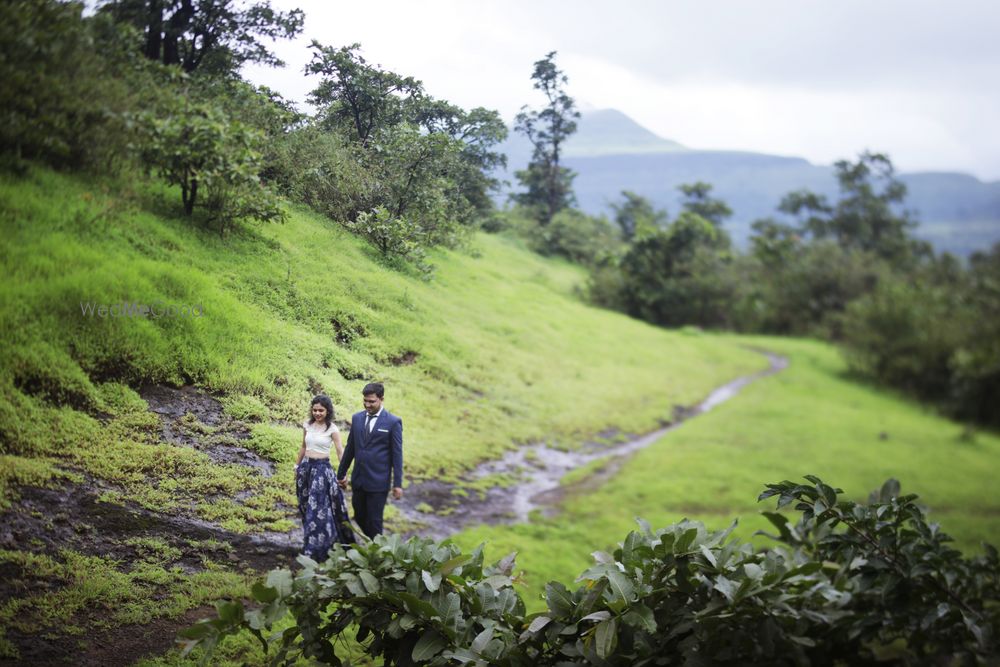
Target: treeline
{"points": [[155, 84], [848, 270]]}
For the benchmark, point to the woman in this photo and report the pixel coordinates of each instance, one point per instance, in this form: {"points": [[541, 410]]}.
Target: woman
{"points": [[321, 502]]}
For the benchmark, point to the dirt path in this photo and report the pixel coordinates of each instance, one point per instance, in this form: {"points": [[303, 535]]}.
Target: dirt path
{"points": [[539, 469]]}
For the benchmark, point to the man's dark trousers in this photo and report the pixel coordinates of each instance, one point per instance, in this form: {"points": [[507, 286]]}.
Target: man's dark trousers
{"points": [[368, 508]]}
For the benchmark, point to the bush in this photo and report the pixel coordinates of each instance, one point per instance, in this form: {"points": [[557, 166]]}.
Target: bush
{"points": [[195, 146], [850, 584], [679, 275], [808, 291], [572, 234], [316, 167], [937, 337]]}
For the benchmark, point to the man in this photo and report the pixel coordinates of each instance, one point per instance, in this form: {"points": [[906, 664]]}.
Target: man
{"points": [[375, 444]]}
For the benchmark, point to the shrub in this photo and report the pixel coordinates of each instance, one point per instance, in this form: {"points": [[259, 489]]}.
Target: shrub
{"points": [[934, 336], [851, 583], [196, 147], [572, 234]]}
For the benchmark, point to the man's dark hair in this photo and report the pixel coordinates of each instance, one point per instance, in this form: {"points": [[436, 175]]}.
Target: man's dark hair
{"points": [[374, 388]]}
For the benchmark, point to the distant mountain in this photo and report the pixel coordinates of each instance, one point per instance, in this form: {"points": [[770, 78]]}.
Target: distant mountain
{"points": [[610, 132], [600, 132], [610, 152]]}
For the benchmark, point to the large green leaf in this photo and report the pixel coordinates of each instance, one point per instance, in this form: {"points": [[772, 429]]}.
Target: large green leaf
{"points": [[263, 593], [419, 608], [429, 645], [685, 540], [559, 599], [370, 582], [620, 586], [431, 581], [606, 637]]}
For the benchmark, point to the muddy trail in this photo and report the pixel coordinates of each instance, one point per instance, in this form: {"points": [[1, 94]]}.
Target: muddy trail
{"points": [[72, 516], [534, 473]]}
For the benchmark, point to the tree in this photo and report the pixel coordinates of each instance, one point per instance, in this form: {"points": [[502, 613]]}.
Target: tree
{"points": [[635, 216], [677, 275], [773, 243], [479, 131], [207, 35], [935, 333], [365, 100], [359, 98], [549, 184], [214, 161], [698, 200], [865, 217], [425, 164], [67, 85]]}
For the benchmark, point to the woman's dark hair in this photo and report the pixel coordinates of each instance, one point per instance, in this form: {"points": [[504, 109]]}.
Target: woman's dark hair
{"points": [[325, 401]]}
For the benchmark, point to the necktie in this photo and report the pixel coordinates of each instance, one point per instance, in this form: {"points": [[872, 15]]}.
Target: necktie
{"points": [[368, 424]]}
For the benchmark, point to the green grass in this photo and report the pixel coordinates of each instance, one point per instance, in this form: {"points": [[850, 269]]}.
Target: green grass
{"points": [[85, 593], [503, 352], [808, 419], [506, 352]]}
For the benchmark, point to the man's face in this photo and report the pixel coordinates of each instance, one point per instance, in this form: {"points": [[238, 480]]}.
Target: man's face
{"points": [[372, 403]]}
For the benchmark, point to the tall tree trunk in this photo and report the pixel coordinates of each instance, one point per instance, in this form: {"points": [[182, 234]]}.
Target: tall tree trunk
{"points": [[179, 23], [154, 30], [188, 195]]}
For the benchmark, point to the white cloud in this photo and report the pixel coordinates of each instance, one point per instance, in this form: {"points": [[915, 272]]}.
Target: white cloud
{"points": [[823, 80]]}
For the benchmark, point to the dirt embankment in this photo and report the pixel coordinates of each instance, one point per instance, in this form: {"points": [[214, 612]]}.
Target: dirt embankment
{"points": [[48, 521]]}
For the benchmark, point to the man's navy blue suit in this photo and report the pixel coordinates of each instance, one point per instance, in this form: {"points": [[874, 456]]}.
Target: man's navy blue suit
{"points": [[378, 466]]}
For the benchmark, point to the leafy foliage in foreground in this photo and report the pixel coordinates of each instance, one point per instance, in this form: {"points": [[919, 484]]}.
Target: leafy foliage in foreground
{"points": [[850, 582]]}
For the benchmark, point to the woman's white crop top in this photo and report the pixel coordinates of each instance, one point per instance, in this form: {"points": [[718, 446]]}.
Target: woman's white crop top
{"points": [[319, 438]]}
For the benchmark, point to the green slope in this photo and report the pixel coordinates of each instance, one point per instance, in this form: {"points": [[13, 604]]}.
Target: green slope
{"points": [[498, 349]]}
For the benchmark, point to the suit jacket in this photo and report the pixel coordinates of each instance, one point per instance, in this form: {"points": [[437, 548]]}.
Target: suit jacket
{"points": [[377, 456]]}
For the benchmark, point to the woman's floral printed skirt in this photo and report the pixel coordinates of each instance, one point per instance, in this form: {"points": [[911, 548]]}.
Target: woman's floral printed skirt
{"points": [[322, 508]]}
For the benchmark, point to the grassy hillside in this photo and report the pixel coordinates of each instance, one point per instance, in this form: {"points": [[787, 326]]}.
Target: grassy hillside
{"points": [[495, 351], [808, 419]]}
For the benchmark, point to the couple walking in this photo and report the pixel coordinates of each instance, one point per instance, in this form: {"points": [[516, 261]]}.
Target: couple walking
{"points": [[374, 445]]}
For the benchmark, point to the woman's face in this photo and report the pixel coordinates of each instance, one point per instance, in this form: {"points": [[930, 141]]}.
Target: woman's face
{"points": [[319, 412]]}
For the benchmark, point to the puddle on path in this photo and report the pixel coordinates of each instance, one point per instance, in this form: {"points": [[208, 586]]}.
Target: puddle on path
{"points": [[540, 469]]}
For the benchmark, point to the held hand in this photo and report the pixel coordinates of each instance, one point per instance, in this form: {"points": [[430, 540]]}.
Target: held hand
{"points": [[397, 492], [342, 483]]}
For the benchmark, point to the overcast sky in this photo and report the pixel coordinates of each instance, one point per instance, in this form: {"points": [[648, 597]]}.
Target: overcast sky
{"points": [[916, 79]]}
